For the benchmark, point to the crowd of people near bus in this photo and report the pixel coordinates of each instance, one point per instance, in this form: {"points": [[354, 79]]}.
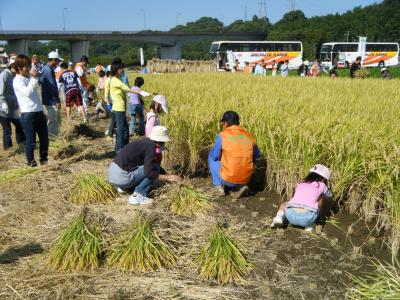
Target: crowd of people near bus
{"points": [[306, 69]]}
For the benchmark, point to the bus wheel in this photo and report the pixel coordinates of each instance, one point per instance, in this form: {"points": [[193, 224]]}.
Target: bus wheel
{"points": [[381, 64]]}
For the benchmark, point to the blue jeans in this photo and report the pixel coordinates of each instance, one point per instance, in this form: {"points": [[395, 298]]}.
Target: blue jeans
{"points": [[215, 170], [35, 123], [122, 134], [19, 132], [136, 110], [301, 216], [126, 180]]}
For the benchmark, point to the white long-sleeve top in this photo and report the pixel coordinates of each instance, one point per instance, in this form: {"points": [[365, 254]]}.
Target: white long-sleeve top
{"points": [[27, 95]]}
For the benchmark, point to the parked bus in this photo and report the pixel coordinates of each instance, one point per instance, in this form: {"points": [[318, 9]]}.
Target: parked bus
{"points": [[344, 54], [227, 52]]}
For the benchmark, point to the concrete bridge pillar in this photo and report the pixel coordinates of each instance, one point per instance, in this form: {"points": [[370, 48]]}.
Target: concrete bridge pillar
{"points": [[172, 52], [78, 49], [19, 46]]}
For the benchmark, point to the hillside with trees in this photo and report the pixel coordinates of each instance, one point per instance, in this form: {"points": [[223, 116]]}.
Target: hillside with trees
{"points": [[379, 22]]}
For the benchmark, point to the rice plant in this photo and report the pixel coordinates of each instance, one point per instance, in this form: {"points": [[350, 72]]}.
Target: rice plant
{"points": [[91, 189], [141, 250], [79, 245], [14, 174], [222, 260], [188, 200], [384, 284], [350, 125]]}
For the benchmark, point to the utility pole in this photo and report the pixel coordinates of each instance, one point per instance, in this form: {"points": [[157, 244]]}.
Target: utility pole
{"points": [[177, 18], [245, 13], [144, 18], [1, 25], [292, 5], [262, 9], [64, 9], [347, 36]]}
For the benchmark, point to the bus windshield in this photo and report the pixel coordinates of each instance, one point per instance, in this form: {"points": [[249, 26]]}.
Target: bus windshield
{"points": [[325, 56], [326, 48]]}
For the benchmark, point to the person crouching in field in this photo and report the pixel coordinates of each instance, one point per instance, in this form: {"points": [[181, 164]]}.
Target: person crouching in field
{"points": [[231, 160], [73, 92], [138, 166], [158, 105], [309, 197]]}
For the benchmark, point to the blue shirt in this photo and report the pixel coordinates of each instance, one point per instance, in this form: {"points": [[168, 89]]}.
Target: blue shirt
{"points": [[70, 81], [216, 151], [49, 86]]}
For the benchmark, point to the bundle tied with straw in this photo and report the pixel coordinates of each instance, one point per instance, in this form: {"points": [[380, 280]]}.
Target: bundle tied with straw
{"points": [[188, 200], [91, 189], [222, 260], [141, 251], [79, 245]]}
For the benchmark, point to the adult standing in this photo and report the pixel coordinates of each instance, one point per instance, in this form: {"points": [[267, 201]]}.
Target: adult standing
{"points": [[274, 68], [9, 108], [81, 70], [37, 63], [118, 91], [285, 69], [50, 94], [33, 119], [231, 160], [303, 69], [355, 67], [138, 166]]}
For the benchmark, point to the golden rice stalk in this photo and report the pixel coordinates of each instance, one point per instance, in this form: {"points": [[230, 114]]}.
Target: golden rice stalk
{"points": [[188, 200], [222, 260], [91, 189], [79, 245], [142, 251]]}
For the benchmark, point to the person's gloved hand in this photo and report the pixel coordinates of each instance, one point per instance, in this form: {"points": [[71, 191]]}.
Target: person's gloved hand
{"points": [[4, 107]]}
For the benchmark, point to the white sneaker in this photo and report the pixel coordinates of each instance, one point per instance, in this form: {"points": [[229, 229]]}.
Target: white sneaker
{"points": [[121, 191], [136, 199], [277, 222], [309, 228]]}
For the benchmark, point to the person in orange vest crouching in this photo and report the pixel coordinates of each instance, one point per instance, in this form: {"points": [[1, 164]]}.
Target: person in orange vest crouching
{"points": [[231, 160]]}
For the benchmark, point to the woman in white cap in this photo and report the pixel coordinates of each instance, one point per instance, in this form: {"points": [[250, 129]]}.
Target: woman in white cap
{"points": [[138, 166], [158, 105], [303, 208]]}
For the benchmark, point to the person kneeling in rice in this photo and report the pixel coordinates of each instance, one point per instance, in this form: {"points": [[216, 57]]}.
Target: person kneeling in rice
{"points": [[137, 166], [309, 197], [232, 158]]}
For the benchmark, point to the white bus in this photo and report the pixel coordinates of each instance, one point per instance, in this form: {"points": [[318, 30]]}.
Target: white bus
{"points": [[344, 54], [227, 52]]}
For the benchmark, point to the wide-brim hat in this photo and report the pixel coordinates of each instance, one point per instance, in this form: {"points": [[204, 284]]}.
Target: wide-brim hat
{"points": [[163, 101], [322, 171], [159, 134]]}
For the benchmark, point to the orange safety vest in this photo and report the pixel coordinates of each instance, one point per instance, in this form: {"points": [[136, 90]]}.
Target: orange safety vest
{"points": [[237, 155], [83, 78]]}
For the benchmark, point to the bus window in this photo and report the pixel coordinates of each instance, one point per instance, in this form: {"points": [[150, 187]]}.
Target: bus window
{"points": [[326, 48], [294, 47], [381, 48], [213, 48], [345, 48]]}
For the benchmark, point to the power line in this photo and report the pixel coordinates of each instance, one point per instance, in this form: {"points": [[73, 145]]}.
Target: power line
{"points": [[262, 9]]}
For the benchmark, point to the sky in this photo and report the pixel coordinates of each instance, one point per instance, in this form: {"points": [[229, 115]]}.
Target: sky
{"points": [[133, 15]]}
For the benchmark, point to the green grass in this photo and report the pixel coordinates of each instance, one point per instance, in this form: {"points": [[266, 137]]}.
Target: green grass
{"points": [[188, 200], [141, 250], [222, 260], [78, 247], [91, 189]]}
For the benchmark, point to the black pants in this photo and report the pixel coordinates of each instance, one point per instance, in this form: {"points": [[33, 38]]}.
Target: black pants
{"points": [[35, 123], [7, 131], [122, 136]]}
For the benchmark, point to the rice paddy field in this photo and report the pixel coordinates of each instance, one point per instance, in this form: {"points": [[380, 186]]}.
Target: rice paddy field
{"points": [[66, 234]]}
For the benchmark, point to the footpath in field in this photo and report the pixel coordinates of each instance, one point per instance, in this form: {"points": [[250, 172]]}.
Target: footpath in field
{"points": [[288, 263]]}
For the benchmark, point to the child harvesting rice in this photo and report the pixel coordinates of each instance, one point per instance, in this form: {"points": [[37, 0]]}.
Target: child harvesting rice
{"points": [[158, 105], [303, 208]]}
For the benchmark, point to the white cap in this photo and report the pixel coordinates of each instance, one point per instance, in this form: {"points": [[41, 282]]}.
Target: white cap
{"points": [[306, 62], [321, 170], [163, 101], [159, 134], [383, 69], [54, 55]]}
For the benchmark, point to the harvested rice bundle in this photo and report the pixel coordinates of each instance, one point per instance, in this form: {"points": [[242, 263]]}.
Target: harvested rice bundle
{"points": [[13, 174], [79, 246], [143, 251], [221, 259], [91, 189], [188, 200]]}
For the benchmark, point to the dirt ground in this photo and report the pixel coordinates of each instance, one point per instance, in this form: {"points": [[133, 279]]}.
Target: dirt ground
{"points": [[288, 263]]}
